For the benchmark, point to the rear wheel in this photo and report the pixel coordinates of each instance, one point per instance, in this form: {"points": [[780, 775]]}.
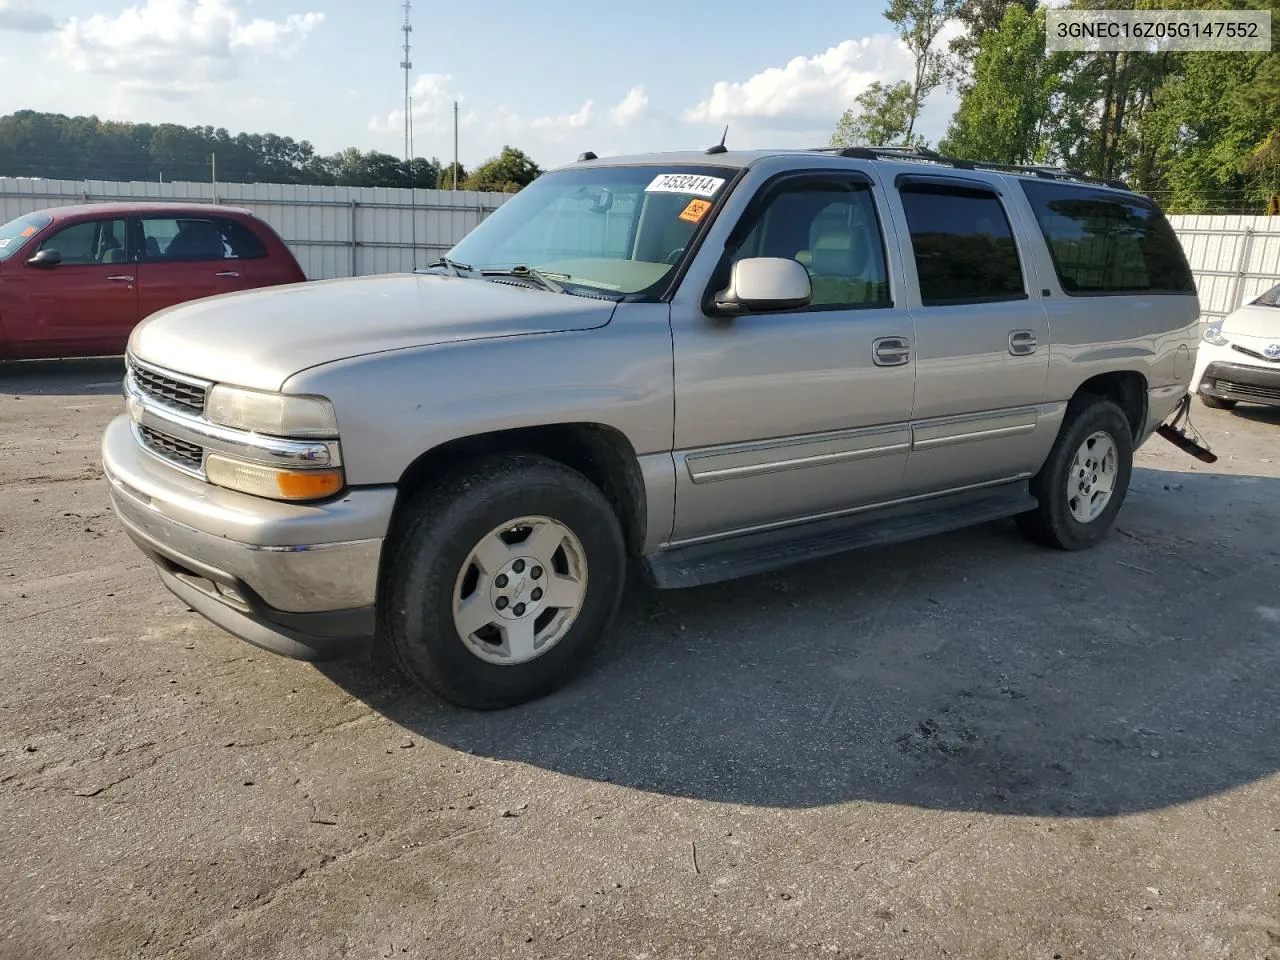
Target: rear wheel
{"points": [[1083, 482], [1213, 403], [502, 580]]}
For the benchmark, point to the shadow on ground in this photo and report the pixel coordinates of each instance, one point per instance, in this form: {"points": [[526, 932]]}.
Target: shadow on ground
{"points": [[968, 672], [93, 376]]}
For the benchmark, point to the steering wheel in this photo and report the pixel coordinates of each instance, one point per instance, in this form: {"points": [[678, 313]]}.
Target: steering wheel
{"points": [[674, 256]]}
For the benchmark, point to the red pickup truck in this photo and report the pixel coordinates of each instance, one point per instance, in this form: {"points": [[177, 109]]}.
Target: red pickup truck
{"points": [[75, 280]]}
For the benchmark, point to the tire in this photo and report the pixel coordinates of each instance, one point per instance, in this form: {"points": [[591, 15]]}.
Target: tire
{"points": [[1055, 522], [432, 562], [1213, 403]]}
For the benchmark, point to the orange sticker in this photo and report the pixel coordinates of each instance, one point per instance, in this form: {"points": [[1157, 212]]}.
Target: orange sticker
{"points": [[29, 231], [696, 210]]}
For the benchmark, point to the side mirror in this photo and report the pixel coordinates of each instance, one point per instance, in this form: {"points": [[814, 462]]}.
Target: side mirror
{"points": [[764, 284], [46, 258]]}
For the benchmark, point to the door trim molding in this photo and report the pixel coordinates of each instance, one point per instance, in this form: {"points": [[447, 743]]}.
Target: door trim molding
{"points": [[771, 456], [946, 431]]}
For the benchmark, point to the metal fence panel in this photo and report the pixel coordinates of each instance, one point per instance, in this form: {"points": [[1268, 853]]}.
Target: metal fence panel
{"points": [[351, 231], [333, 231], [1234, 258]]}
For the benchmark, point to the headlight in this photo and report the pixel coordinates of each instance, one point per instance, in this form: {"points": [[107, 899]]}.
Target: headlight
{"points": [[275, 414], [273, 482], [1213, 335]]}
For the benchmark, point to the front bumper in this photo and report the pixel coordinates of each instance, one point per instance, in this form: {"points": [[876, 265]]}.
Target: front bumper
{"points": [[296, 578], [1244, 382]]}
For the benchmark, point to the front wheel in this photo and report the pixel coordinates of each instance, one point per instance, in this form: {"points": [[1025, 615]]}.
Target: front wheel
{"points": [[501, 580], [1083, 482]]}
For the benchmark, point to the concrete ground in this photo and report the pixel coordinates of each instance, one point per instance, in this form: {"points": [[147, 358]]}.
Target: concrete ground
{"points": [[961, 747]]}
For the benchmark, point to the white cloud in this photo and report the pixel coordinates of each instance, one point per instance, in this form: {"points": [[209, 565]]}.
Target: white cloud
{"points": [[21, 16], [807, 88], [577, 120], [179, 42], [632, 106], [807, 95]]}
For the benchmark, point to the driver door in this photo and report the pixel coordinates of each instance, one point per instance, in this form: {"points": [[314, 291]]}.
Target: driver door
{"points": [[88, 303], [788, 416]]}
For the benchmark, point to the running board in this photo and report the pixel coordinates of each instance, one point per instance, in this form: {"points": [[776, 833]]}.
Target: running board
{"points": [[714, 561]]}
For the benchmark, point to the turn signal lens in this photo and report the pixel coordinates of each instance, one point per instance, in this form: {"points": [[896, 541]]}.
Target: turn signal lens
{"points": [[263, 481]]}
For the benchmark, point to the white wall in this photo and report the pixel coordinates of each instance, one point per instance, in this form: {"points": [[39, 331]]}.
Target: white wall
{"points": [[333, 231], [345, 231], [1233, 258]]}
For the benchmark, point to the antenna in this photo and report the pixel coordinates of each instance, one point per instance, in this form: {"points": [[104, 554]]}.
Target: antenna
{"points": [[720, 147], [406, 65]]}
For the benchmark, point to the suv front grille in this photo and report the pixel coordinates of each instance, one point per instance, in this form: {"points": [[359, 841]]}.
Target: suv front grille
{"points": [[169, 448], [168, 390]]}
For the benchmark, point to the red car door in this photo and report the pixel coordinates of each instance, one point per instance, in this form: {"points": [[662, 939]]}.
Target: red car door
{"points": [[80, 299]]}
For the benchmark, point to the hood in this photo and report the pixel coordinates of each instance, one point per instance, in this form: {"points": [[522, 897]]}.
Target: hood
{"points": [[1254, 320], [260, 338]]}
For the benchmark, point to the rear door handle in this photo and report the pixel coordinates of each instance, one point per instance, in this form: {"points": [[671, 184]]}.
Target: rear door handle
{"points": [[1022, 343], [891, 351], [123, 278], [227, 273]]}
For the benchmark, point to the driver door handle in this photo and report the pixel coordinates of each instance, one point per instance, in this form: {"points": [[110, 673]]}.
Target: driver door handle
{"points": [[1022, 343], [891, 351], [122, 277], [227, 273]]}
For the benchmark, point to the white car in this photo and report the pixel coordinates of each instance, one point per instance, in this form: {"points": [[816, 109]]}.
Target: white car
{"points": [[1239, 360]]}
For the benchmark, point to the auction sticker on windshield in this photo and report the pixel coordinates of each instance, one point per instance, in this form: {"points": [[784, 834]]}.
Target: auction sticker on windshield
{"points": [[694, 183]]}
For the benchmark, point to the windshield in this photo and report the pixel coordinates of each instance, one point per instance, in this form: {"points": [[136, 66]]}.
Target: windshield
{"points": [[607, 230], [1271, 298], [15, 234]]}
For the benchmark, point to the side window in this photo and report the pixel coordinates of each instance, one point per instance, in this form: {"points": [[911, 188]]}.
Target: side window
{"points": [[1107, 243], [963, 245], [830, 227], [92, 241], [242, 243], [183, 238]]}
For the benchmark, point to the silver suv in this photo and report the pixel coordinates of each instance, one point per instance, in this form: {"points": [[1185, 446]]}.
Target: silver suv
{"points": [[712, 364]]}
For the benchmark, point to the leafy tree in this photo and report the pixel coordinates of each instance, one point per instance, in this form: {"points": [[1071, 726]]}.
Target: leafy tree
{"points": [[883, 118], [1003, 111], [506, 173], [918, 23], [447, 179], [977, 17]]}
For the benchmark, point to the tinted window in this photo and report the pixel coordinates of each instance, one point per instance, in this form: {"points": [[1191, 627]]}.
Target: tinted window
{"points": [[15, 233], [829, 227], [199, 238], [963, 245], [92, 241], [1107, 242]]}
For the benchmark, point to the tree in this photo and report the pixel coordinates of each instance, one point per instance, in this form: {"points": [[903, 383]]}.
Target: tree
{"points": [[918, 23], [977, 17], [508, 172], [1003, 111], [882, 120], [449, 176]]}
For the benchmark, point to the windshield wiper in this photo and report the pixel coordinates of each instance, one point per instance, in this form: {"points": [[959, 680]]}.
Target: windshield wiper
{"points": [[523, 272], [453, 266]]}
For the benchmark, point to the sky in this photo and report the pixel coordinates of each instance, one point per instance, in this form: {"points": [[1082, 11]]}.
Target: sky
{"points": [[553, 77]]}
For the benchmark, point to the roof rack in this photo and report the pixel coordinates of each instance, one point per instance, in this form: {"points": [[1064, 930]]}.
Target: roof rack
{"points": [[925, 154]]}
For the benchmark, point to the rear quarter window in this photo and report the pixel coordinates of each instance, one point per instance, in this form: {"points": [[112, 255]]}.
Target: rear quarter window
{"points": [[1105, 243]]}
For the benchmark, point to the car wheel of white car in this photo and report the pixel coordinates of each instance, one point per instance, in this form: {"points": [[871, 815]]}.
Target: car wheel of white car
{"points": [[501, 580], [1083, 482], [1213, 403]]}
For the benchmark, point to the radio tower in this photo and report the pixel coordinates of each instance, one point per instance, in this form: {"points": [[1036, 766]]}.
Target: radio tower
{"points": [[406, 65]]}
